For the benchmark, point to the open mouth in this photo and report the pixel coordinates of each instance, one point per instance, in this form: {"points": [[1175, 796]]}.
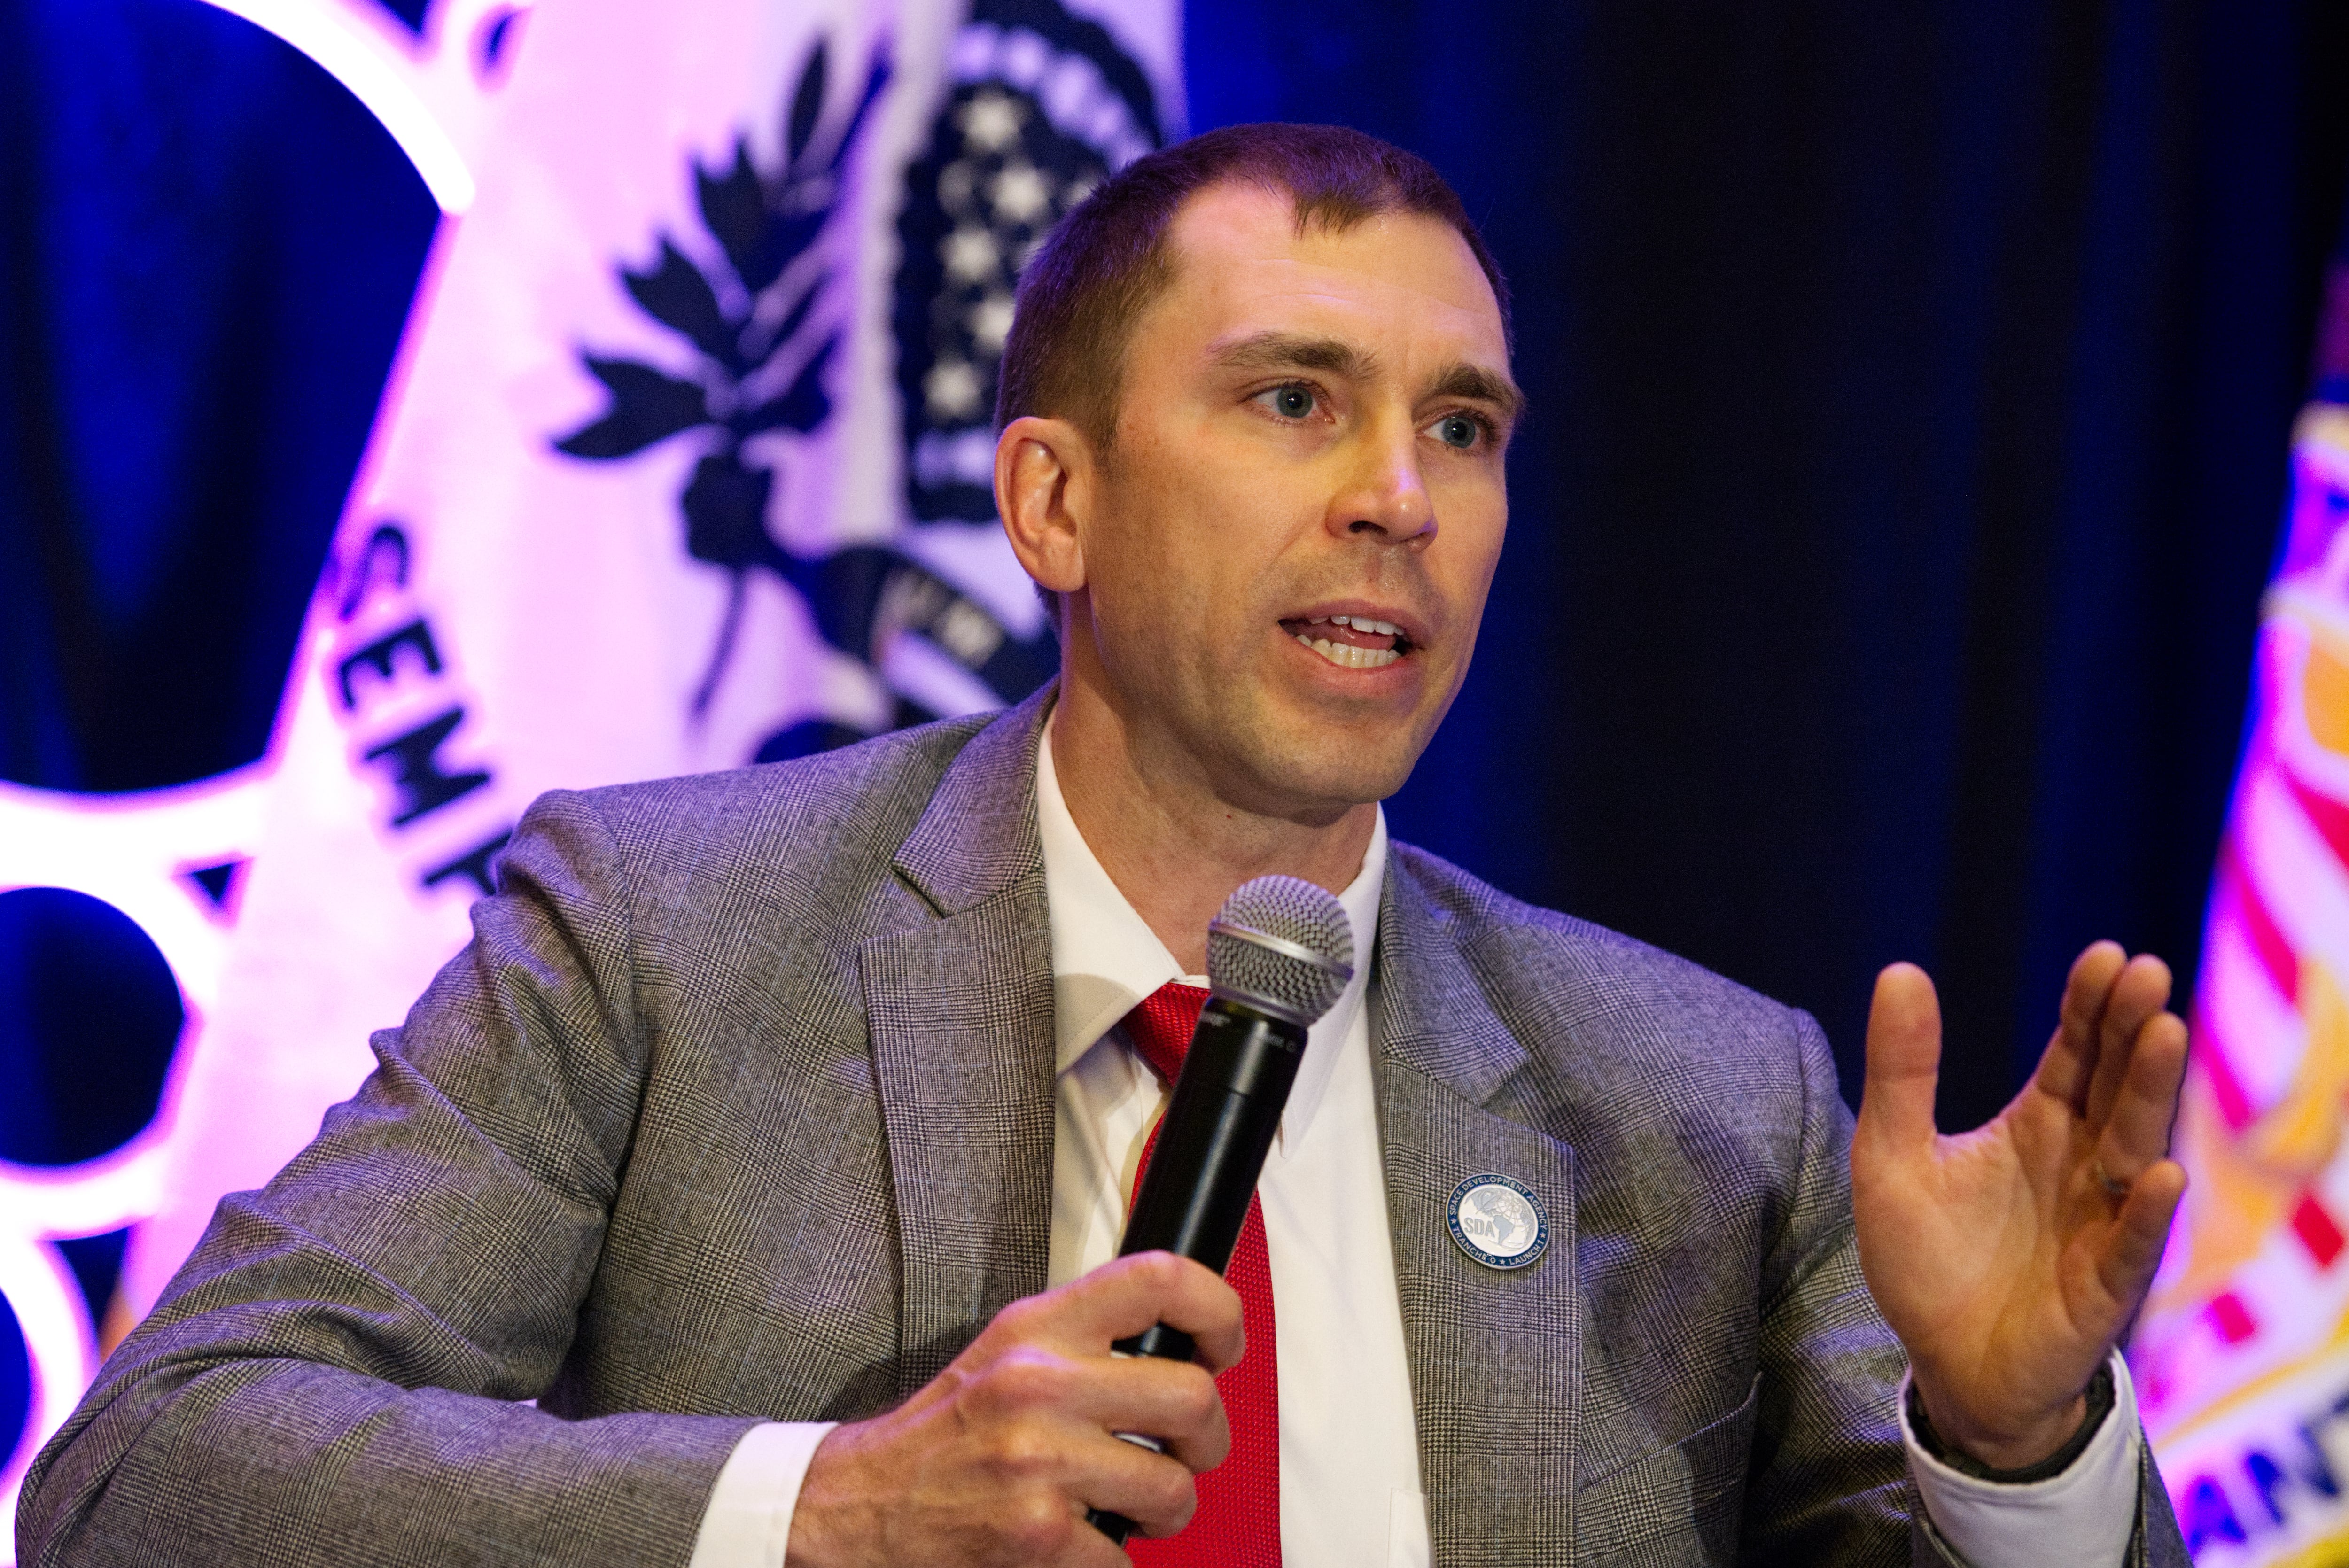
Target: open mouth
{"points": [[1352, 642]]}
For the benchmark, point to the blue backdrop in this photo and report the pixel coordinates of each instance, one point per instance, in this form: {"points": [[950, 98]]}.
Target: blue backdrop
{"points": [[1911, 386]]}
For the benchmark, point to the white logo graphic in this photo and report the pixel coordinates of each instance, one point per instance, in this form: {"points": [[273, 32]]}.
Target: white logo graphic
{"points": [[1499, 1222]]}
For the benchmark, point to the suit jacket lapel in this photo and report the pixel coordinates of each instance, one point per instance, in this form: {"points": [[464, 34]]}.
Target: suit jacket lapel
{"points": [[959, 1004], [1494, 1355]]}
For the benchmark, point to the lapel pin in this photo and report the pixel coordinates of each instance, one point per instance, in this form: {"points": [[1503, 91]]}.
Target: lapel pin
{"points": [[1499, 1222]]}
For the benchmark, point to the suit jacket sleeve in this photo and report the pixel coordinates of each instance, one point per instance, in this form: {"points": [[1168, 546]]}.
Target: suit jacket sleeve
{"points": [[336, 1375], [1828, 1471]]}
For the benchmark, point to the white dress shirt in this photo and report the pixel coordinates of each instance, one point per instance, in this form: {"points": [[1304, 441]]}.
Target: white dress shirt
{"points": [[1349, 1450], [1350, 1492]]}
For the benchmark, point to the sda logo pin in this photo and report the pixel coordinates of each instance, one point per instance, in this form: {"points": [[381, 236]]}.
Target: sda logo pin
{"points": [[1499, 1222]]}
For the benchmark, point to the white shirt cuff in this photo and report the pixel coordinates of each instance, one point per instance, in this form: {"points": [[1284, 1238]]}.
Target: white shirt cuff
{"points": [[2084, 1515], [748, 1520]]}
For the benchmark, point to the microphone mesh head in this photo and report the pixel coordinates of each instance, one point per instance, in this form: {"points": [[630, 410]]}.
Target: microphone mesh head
{"points": [[1283, 947]]}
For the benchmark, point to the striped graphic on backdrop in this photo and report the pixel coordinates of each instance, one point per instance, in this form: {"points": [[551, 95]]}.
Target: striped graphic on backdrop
{"points": [[2242, 1356]]}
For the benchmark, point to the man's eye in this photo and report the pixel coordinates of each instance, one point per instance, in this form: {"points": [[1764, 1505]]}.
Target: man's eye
{"points": [[1290, 402], [1458, 431]]}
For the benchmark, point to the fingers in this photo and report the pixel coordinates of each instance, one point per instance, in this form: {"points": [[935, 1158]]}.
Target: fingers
{"points": [[2136, 1132], [997, 1459], [2133, 1251], [2140, 993], [936, 1482], [1054, 1355], [1055, 1420], [2109, 1000], [1158, 1493], [1904, 1059], [1045, 1474], [1174, 1401], [1179, 1406], [2129, 1104], [1120, 1299], [2071, 1060]]}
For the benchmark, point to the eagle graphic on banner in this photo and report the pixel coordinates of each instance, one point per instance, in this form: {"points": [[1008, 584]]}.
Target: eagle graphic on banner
{"points": [[1044, 107], [684, 464]]}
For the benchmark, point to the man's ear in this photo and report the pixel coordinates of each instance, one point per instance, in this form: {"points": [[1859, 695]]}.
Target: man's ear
{"points": [[1044, 489]]}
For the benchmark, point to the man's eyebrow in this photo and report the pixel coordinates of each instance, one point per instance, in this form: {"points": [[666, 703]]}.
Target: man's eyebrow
{"points": [[1480, 384], [1288, 351]]}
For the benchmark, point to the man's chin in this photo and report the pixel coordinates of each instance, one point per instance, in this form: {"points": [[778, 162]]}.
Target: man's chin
{"points": [[1321, 781], [1350, 746]]}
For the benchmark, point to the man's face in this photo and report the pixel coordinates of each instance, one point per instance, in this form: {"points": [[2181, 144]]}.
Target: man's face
{"points": [[1304, 503]]}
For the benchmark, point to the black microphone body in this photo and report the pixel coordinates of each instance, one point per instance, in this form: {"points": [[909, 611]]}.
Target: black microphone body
{"points": [[1203, 1171], [1211, 1147], [1279, 954]]}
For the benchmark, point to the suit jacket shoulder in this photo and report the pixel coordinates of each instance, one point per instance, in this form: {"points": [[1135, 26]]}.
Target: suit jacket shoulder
{"points": [[839, 811]]}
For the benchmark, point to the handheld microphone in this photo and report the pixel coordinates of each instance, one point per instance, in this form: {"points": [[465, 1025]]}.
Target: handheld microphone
{"points": [[1279, 954]]}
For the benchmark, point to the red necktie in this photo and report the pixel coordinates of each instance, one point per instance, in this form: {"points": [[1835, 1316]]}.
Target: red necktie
{"points": [[1238, 1521]]}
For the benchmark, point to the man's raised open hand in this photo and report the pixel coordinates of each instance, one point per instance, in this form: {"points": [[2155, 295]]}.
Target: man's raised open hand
{"points": [[998, 1457], [2009, 1259]]}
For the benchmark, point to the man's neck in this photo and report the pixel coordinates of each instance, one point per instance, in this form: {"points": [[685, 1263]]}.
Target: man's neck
{"points": [[1173, 847]]}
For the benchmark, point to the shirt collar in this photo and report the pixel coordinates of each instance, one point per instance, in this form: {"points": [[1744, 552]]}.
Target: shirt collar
{"points": [[1105, 957]]}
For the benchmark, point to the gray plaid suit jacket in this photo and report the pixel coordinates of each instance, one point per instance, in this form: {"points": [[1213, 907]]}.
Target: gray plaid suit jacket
{"points": [[740, 1105]]}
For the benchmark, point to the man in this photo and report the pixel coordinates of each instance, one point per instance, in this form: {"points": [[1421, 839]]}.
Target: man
{"points": [[773, 1133]]}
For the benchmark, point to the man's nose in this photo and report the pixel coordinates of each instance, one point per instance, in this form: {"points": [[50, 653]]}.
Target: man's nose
{"points": [[1385, 497]]}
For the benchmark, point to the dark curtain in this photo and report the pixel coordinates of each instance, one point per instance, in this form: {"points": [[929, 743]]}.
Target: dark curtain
{"points": [[1911, 388], [207, 248]]}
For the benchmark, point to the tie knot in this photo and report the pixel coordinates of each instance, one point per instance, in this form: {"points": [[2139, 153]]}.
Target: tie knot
{"points": [[1161, 1024]]}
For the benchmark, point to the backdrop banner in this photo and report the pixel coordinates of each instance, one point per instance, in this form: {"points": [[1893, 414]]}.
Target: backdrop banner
{"points": [[2242, 1354], [686, 464]]}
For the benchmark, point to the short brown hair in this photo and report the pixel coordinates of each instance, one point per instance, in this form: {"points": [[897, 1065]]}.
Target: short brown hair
{"points": [[1081, 296]]}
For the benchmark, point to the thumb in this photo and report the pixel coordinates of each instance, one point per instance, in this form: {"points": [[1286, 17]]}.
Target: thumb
{"points": [[1904, 1061]]}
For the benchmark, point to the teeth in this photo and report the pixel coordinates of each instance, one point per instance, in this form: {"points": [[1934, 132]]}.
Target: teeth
{"points": [[1348, 656], [1363, 624]]}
